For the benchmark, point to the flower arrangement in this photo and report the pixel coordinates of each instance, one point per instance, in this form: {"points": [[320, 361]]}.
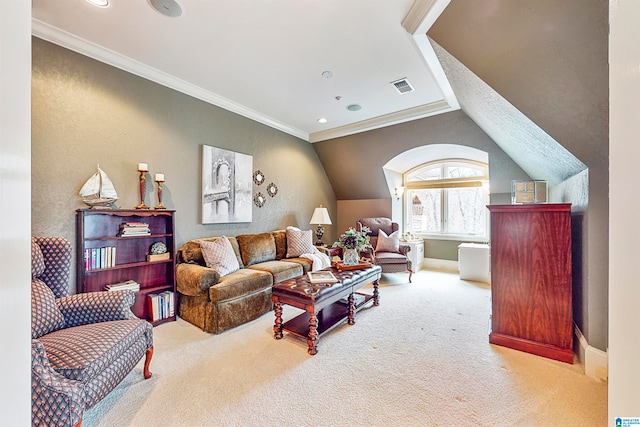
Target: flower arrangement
{"points": [[352, 239]]}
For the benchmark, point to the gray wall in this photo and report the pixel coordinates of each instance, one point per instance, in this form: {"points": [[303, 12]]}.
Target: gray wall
{"points": [[85, 112], [550, 60]]}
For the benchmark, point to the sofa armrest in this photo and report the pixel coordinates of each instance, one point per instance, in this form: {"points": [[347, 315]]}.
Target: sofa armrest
{"points": [[194, 279], [404, 249], [368, 252], [94, 307], [55, 400]]}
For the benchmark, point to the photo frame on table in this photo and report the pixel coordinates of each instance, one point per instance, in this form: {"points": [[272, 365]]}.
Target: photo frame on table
{"points": [[227, 178]]}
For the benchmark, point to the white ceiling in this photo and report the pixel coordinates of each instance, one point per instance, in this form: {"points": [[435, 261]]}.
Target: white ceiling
{"points": [[265, 59]]}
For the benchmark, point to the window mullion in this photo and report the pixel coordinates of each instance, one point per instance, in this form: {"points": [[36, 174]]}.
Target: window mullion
{"points": [[444, 211]]}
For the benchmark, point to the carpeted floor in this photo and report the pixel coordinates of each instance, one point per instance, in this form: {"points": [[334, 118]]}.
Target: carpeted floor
{"points": [[421, 358]]}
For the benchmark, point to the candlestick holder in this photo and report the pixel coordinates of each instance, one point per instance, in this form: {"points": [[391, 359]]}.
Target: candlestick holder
{"points": [[143, 187], [160, 205]]}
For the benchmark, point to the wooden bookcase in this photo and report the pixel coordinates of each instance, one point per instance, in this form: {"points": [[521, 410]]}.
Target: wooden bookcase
{"points": [[97, 228], [531, 307]]}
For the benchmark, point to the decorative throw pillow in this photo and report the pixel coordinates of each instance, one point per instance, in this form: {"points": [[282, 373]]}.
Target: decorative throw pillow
{"points": [[299, 242], [45, 315], [220, 256], [390, 243]]}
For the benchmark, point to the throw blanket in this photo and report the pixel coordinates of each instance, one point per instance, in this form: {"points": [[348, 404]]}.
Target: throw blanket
{"points": [[320, 260]]}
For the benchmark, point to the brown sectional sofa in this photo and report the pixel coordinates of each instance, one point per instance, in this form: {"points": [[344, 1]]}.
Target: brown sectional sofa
{"points": [[215, 303]]}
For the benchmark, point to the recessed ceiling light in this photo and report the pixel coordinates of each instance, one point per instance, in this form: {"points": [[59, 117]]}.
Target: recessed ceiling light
{"points": [[99, 3], [354, 107], [322, 120], [327, 74]]}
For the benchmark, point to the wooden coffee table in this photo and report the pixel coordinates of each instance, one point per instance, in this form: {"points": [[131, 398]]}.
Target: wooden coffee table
{"points": [[325, 305]]}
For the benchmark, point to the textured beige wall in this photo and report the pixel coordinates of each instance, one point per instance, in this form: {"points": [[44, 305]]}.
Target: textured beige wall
{"points": [[85, 112], [350, 211]]}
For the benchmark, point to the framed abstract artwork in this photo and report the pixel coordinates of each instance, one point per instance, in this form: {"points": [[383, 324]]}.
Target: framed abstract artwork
{"points": [[226, 186]]}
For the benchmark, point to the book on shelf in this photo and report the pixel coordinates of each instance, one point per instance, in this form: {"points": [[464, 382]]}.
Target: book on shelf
{"points": [[158, 257], [321, 276], [161, 306], [154, 311], [127, 284], [134, 229], [95, 258]]}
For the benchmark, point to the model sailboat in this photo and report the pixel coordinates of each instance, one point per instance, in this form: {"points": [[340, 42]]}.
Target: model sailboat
{"points": [[98, 191]]}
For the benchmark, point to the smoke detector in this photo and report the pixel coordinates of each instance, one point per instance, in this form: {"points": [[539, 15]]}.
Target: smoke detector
{"points": [[167, 7], [403, 86]]}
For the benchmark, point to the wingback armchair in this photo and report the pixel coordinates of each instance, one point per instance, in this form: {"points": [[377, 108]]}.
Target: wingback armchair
{"points": [[386, 250], [82, 345]]}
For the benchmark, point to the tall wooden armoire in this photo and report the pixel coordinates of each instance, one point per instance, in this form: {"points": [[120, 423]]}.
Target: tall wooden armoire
{"points": [[531, 279]]}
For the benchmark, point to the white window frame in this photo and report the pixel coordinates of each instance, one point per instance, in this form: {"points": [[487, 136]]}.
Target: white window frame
{"points": [[476, 181]]}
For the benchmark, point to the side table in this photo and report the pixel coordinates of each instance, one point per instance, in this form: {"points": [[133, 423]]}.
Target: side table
{"points": [[331, 251], [416, 254]]}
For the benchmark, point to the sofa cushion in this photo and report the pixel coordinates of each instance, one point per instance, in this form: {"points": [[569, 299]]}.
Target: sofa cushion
{"points": [[280, 270], [45, 315], [37, 260], [390, 258], [240, 283], [390, 243], [299, 242], [219, 256], [82, 352], [280, 237], [191, 251], [256, 248], [305, 263]]}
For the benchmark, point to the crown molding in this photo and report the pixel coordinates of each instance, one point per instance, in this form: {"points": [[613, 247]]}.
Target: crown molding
{"points": [[422, 15], [407, 115], [69, 41]]}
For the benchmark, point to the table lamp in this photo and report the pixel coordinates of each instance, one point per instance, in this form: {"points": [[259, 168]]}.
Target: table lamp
{"points": [[320, 217]]}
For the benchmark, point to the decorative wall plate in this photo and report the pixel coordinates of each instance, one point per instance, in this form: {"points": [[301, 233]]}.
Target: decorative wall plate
{"points": [[272, 190], [259, 199], [258, 177]]}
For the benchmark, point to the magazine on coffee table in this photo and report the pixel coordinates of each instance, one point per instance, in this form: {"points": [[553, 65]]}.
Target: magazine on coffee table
{"points": [[321, 276]]}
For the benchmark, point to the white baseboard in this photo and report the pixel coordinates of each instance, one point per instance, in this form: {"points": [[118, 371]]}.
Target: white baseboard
{"points": [[595, 361], [440, 264]]}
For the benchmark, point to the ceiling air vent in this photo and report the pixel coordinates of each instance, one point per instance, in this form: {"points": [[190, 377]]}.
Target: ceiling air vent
{"points": [[403, 86]]}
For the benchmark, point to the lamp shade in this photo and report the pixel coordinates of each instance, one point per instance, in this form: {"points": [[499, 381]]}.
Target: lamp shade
{"points": [[320, 216]]}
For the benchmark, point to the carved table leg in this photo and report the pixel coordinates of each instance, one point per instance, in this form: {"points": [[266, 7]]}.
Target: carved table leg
{"points": [[376, 294], [147, 361], [312, 340], [277, 327], [352, 310]]}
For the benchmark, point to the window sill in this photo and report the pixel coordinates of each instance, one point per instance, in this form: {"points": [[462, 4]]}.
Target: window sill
{"points": [[456, 237]]}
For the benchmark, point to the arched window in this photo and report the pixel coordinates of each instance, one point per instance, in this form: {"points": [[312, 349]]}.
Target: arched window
{"points": [[447, 199]]}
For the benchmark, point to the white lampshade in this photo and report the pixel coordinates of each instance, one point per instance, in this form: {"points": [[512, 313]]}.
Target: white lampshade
{"points": [[320, 216]]}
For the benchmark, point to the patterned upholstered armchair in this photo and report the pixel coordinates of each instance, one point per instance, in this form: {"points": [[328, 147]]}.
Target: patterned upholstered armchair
{"points": [[82, 345], [386, 250]]}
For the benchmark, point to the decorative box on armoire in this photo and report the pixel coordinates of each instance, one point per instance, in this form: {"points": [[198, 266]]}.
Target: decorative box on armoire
{"points": [[531, 307]]}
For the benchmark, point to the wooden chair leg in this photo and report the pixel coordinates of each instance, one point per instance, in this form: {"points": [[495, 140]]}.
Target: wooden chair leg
{"points": [[410, 273], [147, 361]]}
